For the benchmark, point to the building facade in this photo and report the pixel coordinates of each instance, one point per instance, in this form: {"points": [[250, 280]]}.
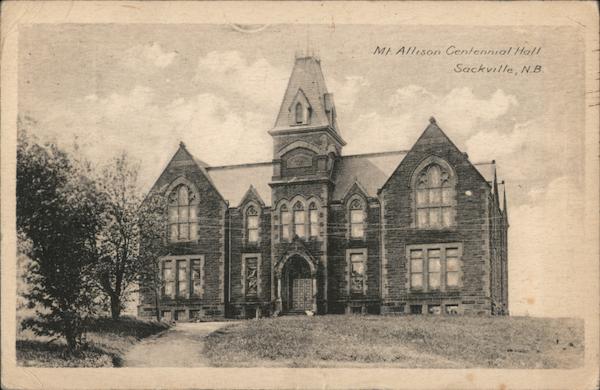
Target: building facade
{"points": [[421, 231]]}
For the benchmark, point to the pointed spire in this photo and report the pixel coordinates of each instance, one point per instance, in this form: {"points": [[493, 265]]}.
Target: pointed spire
{"points": [[496, 195], [505, 208], [306, 102]]}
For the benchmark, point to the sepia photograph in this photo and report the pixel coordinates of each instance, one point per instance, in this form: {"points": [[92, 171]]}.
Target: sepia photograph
{"points": [[298, 197]]}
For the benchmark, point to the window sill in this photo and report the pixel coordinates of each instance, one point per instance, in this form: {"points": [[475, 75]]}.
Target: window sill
{"points": [[432, 291], [195, 241], [357, 239], [436, 229]]}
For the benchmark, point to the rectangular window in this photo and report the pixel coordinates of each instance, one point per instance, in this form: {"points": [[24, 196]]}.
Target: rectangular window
{"points": [[251, 276], [356, 223], [168, 278], [182, 278], [452, 309], [285, 225], [166, 315], [435, 309], [452, 267], [196, 286], [299, 221], [416, 309], [252, 228], [179, 315], [416, 269], [314, 223], [434, 267], [357, 273]]}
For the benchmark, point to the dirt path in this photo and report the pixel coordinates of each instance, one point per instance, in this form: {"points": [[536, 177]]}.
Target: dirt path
{"points": [[180, 346]]}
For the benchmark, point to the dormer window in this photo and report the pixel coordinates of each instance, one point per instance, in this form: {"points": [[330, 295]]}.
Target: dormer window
{"points": [[252, 225], [299, 114], [357, 219], [299, 110]]}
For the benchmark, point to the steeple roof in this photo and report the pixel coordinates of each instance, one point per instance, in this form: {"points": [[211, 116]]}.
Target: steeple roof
{"points": [[307, 82]]}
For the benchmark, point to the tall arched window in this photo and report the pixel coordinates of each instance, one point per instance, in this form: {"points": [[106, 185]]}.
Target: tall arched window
{"points": [[313, 218], [434, 192], [357, 219], [299, 114], [252, 224], [285, 222], [299, 220], [182, 214]]}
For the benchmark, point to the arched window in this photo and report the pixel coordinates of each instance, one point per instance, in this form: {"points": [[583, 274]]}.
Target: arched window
{"points": [[285, 223], [313, 218], [299, 220], [357, 219], [299, 114], [434, 192], [252, 224], [182, 214]]}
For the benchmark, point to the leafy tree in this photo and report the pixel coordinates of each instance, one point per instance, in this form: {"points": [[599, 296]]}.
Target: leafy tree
{"points": [[152, 225], [119, 264], [58, 212]]}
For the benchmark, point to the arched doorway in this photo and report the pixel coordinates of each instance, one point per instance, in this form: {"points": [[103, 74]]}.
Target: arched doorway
{"points": [[299, 285], [296, 285]]}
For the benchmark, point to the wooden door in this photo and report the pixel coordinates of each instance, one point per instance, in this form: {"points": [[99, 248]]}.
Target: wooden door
{"points": [[302, 294]]}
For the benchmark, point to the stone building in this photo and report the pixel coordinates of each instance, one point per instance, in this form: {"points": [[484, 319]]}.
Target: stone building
{"points": [[420, 231]]}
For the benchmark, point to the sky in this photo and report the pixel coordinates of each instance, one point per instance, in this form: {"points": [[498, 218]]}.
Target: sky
{"points": [[143, 88]]}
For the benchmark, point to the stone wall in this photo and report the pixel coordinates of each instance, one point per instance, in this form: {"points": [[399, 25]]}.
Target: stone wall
{"points": [[471, 230]]}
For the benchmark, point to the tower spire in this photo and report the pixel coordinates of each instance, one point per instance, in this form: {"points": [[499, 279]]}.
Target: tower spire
{"points": [[496, 195], [307, 104], [505, 208]]}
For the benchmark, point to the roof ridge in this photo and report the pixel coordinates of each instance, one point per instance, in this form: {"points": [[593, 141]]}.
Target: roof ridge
{"points": [[242, 165], [261, 163], [372, 154]]}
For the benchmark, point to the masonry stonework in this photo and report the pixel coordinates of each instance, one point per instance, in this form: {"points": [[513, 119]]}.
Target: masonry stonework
{"points": [[421, 231]]}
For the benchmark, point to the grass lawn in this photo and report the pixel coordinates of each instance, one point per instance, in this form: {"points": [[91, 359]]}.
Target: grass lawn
{"points": [[107, 341], [408, 341]]}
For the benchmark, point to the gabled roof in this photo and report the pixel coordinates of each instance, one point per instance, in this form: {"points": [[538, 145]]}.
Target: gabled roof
{"points": [[252, 195], [370, 170], [183, 156], [234, 180], [308, 77], [486, 169]]}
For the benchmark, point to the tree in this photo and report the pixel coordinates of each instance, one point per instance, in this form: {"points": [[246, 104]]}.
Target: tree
{"points": [[152, 225], [57, 211], [118, 264]]}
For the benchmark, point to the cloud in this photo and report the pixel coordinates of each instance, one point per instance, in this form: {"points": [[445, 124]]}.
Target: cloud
{"points": [[484, 144], [522, 151], [257, 82], [398, 124], [460, 109], [548, 270], [135, 121], [347, 91], [141, 56]]}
